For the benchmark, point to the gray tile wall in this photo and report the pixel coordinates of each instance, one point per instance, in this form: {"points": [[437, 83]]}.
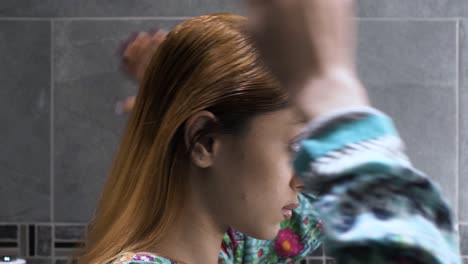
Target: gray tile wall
{"points": [[60, 78]]}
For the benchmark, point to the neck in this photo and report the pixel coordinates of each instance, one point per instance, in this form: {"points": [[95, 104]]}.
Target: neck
{"points": [[195, 237]]}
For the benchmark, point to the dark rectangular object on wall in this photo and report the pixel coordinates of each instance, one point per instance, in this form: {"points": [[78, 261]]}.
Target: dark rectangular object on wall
{"points": [[32, 240], [8, 232], [8, 244]]}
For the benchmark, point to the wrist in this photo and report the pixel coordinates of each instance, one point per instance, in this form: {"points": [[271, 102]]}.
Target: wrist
{"points": [[331, 89]]}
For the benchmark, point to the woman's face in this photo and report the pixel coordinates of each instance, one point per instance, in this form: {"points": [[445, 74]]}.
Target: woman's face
{"points": [[251, 177]]}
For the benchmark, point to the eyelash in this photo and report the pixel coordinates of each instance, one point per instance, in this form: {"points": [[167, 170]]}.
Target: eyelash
{"points": [[295, 146]]}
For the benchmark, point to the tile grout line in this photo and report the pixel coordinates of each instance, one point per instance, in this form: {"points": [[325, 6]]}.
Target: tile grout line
{"points": [[26, 247], [52, 138], [457, 118], [94, 18], [44, 223], [126, 18], [25, 18], [324, 256], [441, 19], [18, 237], [36, 240]]}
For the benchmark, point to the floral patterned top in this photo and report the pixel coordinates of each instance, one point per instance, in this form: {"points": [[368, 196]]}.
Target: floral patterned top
{"points": [[362, 198]]}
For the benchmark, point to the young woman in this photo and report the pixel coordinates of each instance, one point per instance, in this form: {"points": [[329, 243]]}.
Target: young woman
{"points": [[222, 153]]}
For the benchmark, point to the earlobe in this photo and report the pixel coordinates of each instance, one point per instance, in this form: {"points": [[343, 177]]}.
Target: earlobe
{"points": [[199, 139]]}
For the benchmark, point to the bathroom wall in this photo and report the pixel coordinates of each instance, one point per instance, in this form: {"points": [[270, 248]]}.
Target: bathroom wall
{"points": [[60, 78]]}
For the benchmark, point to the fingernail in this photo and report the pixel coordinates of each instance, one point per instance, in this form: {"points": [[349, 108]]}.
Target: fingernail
{"points": [[119, 108]]}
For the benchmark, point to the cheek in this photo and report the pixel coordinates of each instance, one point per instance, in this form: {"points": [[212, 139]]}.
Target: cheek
{"points": [[265, 174], [255, 174], [253, 185], [263, 190], [271, 163]]}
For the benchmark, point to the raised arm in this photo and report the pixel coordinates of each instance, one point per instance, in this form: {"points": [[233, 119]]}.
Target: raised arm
{"points": [[374, 205]]}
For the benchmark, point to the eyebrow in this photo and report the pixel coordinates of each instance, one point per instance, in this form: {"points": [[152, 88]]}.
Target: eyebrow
{"points": [[297, 120], [299, 137]]}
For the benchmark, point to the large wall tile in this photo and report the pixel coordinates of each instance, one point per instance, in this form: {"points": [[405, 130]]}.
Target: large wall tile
{"points": [[27, 8], [113, 8], [412, 8], [414, 52], [463, 192], [87, 85], [409, 69], [25, 119], [464, 240]]}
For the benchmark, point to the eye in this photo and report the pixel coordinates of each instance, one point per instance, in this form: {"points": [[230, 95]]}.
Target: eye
{"points": [[295, 147], [295, 144]]}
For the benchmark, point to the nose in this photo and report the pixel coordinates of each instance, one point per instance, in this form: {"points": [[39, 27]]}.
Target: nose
{"points": [[297, 183]]}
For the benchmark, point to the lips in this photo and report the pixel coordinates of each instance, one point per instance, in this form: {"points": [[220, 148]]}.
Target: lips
{"points": [[291, 206], [288, 210]]}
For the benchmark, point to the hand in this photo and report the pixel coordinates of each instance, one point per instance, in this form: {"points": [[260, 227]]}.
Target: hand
{"points": [[137, 53], [309, 46], [125, 106]]}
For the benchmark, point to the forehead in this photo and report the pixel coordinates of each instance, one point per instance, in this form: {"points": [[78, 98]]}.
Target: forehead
{"points": [[278, 122]]}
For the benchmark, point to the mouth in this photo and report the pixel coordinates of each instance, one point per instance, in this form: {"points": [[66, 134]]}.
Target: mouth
{"points": [[287, 210]]}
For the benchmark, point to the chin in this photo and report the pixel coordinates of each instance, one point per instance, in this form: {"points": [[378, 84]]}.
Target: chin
{"points": [[263, 233]]}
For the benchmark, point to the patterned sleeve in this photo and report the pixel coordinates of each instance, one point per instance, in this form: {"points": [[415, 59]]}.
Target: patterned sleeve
{"points": [[374, 205]]}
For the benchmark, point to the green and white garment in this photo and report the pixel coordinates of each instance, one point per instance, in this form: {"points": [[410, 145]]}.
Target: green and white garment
{"points": [[363, 199]]}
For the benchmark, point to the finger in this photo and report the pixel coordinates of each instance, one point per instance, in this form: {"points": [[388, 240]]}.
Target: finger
{"points": [[133, 47], [128, 53], [125, 105], [129, 103], [141, 35], [143, 43], [123, 46], [129, 61], [159, 36], [128, 46], [141, 38]]}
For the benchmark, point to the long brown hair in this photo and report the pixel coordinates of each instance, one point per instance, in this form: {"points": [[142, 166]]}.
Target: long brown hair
{"points": [[205, 63]]}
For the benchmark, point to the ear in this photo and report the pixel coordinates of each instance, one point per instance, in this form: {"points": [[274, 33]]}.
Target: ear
{"points": [[203, 150]]}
